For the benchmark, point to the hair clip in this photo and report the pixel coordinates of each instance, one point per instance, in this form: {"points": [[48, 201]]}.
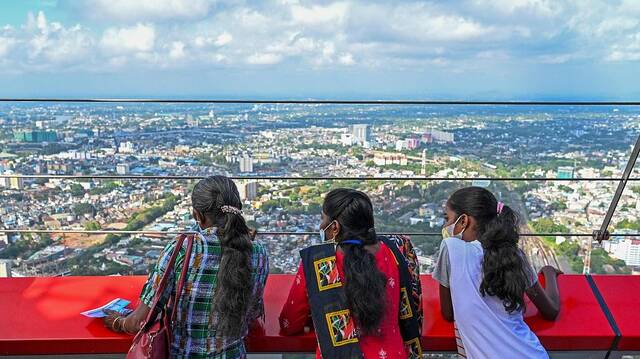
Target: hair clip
{"points": [[231, 209]]}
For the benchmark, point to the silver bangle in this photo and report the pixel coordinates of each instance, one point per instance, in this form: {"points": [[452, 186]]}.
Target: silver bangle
{"points": [[115, 326]]}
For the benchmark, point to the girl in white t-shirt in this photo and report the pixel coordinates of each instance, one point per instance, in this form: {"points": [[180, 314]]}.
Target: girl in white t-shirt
{"points": [[484, 276]]}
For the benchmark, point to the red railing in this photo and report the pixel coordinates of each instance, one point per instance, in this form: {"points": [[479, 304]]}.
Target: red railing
{"points": [[41, 316]]}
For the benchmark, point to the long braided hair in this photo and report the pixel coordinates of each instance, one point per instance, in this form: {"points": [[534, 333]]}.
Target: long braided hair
{"points": [[217, 198], [364, 282]]}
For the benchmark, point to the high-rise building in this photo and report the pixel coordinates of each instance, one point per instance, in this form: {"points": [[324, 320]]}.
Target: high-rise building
{"points": [[12, 182], [246, 164], [387, 158], [248, 191], [16, 183], [5, 268], [35, 136], [413, 143], [438, 136], [346, 139], [252, 190], [126, 147], [565, 172], [122, 168], [625, 248], [361, 134], [4, 239]]}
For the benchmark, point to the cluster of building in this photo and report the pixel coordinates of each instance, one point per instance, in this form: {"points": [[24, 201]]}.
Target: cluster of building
{"points": [[250, 141]]}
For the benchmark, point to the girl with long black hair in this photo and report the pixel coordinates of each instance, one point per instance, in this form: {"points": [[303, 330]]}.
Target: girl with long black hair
{"points": [[484, 276], [225, 279], [361, 290]]}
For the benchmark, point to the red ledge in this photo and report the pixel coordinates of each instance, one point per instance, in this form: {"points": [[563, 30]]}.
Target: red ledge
{"points": [[41, 316], [620, 294]]}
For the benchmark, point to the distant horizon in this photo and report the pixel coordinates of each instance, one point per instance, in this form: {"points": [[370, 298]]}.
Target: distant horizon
{"points": [[279, 99]]}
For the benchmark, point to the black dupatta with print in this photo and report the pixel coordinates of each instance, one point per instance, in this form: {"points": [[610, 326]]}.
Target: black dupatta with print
{"points": [[334, 326]]}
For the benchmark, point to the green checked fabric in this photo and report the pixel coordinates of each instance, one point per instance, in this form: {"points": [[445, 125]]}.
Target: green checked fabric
{"points": [[194, 331]]}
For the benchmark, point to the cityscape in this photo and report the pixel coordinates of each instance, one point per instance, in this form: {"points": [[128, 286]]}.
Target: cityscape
{"points": [[392, 152]]}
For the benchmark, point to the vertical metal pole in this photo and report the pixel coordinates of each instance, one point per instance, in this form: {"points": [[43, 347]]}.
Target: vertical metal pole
{"points": [[601, 234], [586, 269]]}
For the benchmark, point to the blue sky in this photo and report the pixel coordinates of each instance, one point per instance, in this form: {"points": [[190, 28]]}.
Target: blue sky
{"points": [[457, 49]]}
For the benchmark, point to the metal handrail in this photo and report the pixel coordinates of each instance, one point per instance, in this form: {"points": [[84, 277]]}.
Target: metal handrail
{"points": [[320, 178], [327, 102], [280, 233], [633, 157]]}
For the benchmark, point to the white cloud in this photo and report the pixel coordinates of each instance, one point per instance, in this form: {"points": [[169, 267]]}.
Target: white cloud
{"points": [[347, 60], [176, 50], [626, 50], [144, 10], [264, 59], [537, 7], [48, 44], [556, 58], [223, 39], [411, 22], [617, 55], [69, 45], [138, 38], [6, 43], [493, 55], [318, 15], [309, 34], [619, 24], [294, 44], [419, 22], [36, 22]]}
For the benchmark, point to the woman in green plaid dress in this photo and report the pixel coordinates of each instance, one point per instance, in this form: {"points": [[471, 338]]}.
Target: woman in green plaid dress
{"points": [[224, 287]]}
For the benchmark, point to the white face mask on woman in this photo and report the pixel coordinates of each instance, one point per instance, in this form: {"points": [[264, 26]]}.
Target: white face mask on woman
{"points": [[447, 231], [322, 232]]}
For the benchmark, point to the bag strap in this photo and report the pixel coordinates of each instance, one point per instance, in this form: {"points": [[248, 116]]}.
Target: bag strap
{"points": [[409, 325], [163, 282], [183, 277]]}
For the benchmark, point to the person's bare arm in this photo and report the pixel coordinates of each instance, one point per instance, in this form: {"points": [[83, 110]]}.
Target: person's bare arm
{"points": [[446, 307], [131, 323], [547, 299]]}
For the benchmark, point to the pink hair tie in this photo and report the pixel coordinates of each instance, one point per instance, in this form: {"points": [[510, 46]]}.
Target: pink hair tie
{"points": [[500, 207]]}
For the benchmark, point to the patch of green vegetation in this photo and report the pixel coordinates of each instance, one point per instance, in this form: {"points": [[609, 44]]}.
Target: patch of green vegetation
{"points": [[571, 250], [86, 264], [25, 247], [80, 209], [106, 187], [92, 226], [77, 190], [627, 224]]}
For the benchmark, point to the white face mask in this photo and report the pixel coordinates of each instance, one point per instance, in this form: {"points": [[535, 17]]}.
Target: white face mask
{"points": [[447, 232], [322, 232]]}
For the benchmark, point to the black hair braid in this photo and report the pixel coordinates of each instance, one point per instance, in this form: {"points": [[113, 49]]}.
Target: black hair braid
{"points": [[233, 296], [504, 268], [364, 283]]}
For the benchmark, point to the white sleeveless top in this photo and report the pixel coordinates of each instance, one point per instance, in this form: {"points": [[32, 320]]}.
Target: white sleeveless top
{"points": [[486, 329]]}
